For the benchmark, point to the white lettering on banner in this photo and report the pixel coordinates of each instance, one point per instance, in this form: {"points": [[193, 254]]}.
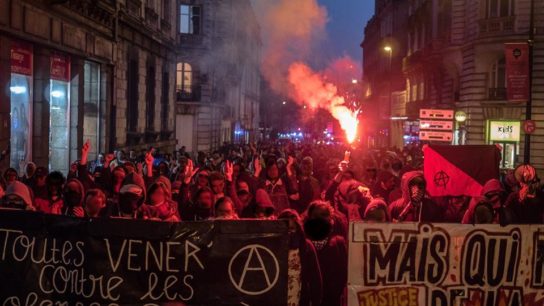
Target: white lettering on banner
{"points": [[253, 252], [161, 257], [445, 264], [20, 247]]}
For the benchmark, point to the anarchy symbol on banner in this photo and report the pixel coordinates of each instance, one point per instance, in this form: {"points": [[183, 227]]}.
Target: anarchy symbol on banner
{"points": [[441, 179], [254, 253]]}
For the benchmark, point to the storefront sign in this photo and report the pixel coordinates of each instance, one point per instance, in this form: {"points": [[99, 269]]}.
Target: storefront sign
{"points": [[21, 58], [445, 264], [60, 260], [504, 131], [517, 71], [436, 136], [60, 67], [436, 125], [446, 114]]}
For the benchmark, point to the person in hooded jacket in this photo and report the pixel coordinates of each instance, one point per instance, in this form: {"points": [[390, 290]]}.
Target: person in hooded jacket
{"points": [[414, 206], [159, 206], [376, 211], [261, 207], [52, 201], [28, 177], [17, 196], [281, 189], [305, 285], [39, 183], [331, 252], [493, 195], [73, 196], [525, 205]]}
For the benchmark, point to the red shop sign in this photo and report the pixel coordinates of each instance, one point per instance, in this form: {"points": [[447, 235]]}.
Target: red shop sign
{"points": [[517, 71], [60, 67], [21, 58]]}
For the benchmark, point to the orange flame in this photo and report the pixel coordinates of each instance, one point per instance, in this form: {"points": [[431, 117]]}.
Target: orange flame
{"points": [[309, 87]]}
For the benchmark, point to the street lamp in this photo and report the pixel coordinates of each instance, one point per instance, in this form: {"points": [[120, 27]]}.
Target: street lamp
{"points": [[389, 50]]}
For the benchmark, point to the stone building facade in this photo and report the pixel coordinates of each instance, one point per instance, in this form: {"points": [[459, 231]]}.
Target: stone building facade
{"points": [[455, 59], [217, 74], [384, 47], [83, 70]]}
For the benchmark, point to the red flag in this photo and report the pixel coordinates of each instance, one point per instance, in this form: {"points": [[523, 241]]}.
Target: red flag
{"points": [[517, 71], [459, 170]]}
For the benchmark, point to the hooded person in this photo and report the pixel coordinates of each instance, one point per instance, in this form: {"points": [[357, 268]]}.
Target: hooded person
{"points": [[492, 193], [39, 183], [331, 251], [525, 205], [414, 206], [352, 198], [74, 196], [261, 207], [200, 208], [376, 211], [305, 285], [17, 196], [52, 201], [28, 176], [278, 187], [159, 205]]}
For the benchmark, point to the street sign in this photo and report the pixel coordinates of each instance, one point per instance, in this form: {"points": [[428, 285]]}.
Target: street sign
{"points": [[435, 125], [446, 114], [529, 126], [436, 136]]}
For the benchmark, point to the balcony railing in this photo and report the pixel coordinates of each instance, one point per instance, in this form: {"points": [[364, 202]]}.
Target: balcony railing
{"points": [[188, 93], [499, 25], [497, 94]]}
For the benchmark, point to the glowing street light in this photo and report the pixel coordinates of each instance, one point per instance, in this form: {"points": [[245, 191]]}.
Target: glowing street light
{"points": [[354, 81], [387, 49], [284, 102]]}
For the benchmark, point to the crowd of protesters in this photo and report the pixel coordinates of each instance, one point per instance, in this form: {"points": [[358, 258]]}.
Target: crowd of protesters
{"points": [[319, 189]]}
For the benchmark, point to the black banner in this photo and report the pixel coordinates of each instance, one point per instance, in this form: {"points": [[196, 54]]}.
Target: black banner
{"points": [[47, 259]]}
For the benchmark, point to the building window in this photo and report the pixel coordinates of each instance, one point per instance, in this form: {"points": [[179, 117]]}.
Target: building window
{"points": [[94, 102], [184, 80], [497, 80], [132, 95], [150, 90], [165, 97], [499, 8], [190, 19]]}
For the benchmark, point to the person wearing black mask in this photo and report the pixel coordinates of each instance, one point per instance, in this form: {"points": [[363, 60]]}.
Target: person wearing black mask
{"points": [[414, 206], [52, 202], [73, 198], [331, 251]]}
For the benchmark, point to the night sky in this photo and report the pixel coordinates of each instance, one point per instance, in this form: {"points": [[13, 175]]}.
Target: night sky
{"points": [[347, 19]]}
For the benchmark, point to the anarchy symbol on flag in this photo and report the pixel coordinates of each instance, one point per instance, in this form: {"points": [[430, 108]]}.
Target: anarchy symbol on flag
{"points": [[441, 179]]}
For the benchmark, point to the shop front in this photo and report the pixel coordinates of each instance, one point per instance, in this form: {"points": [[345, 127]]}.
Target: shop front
{"points": [[505, 134], [50, 93]]}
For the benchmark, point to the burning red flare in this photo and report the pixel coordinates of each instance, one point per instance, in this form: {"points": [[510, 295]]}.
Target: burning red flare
{"points": [[309, 87]]}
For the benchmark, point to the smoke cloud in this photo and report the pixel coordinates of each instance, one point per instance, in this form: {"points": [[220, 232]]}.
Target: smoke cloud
{"points": [[291, 30]]}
